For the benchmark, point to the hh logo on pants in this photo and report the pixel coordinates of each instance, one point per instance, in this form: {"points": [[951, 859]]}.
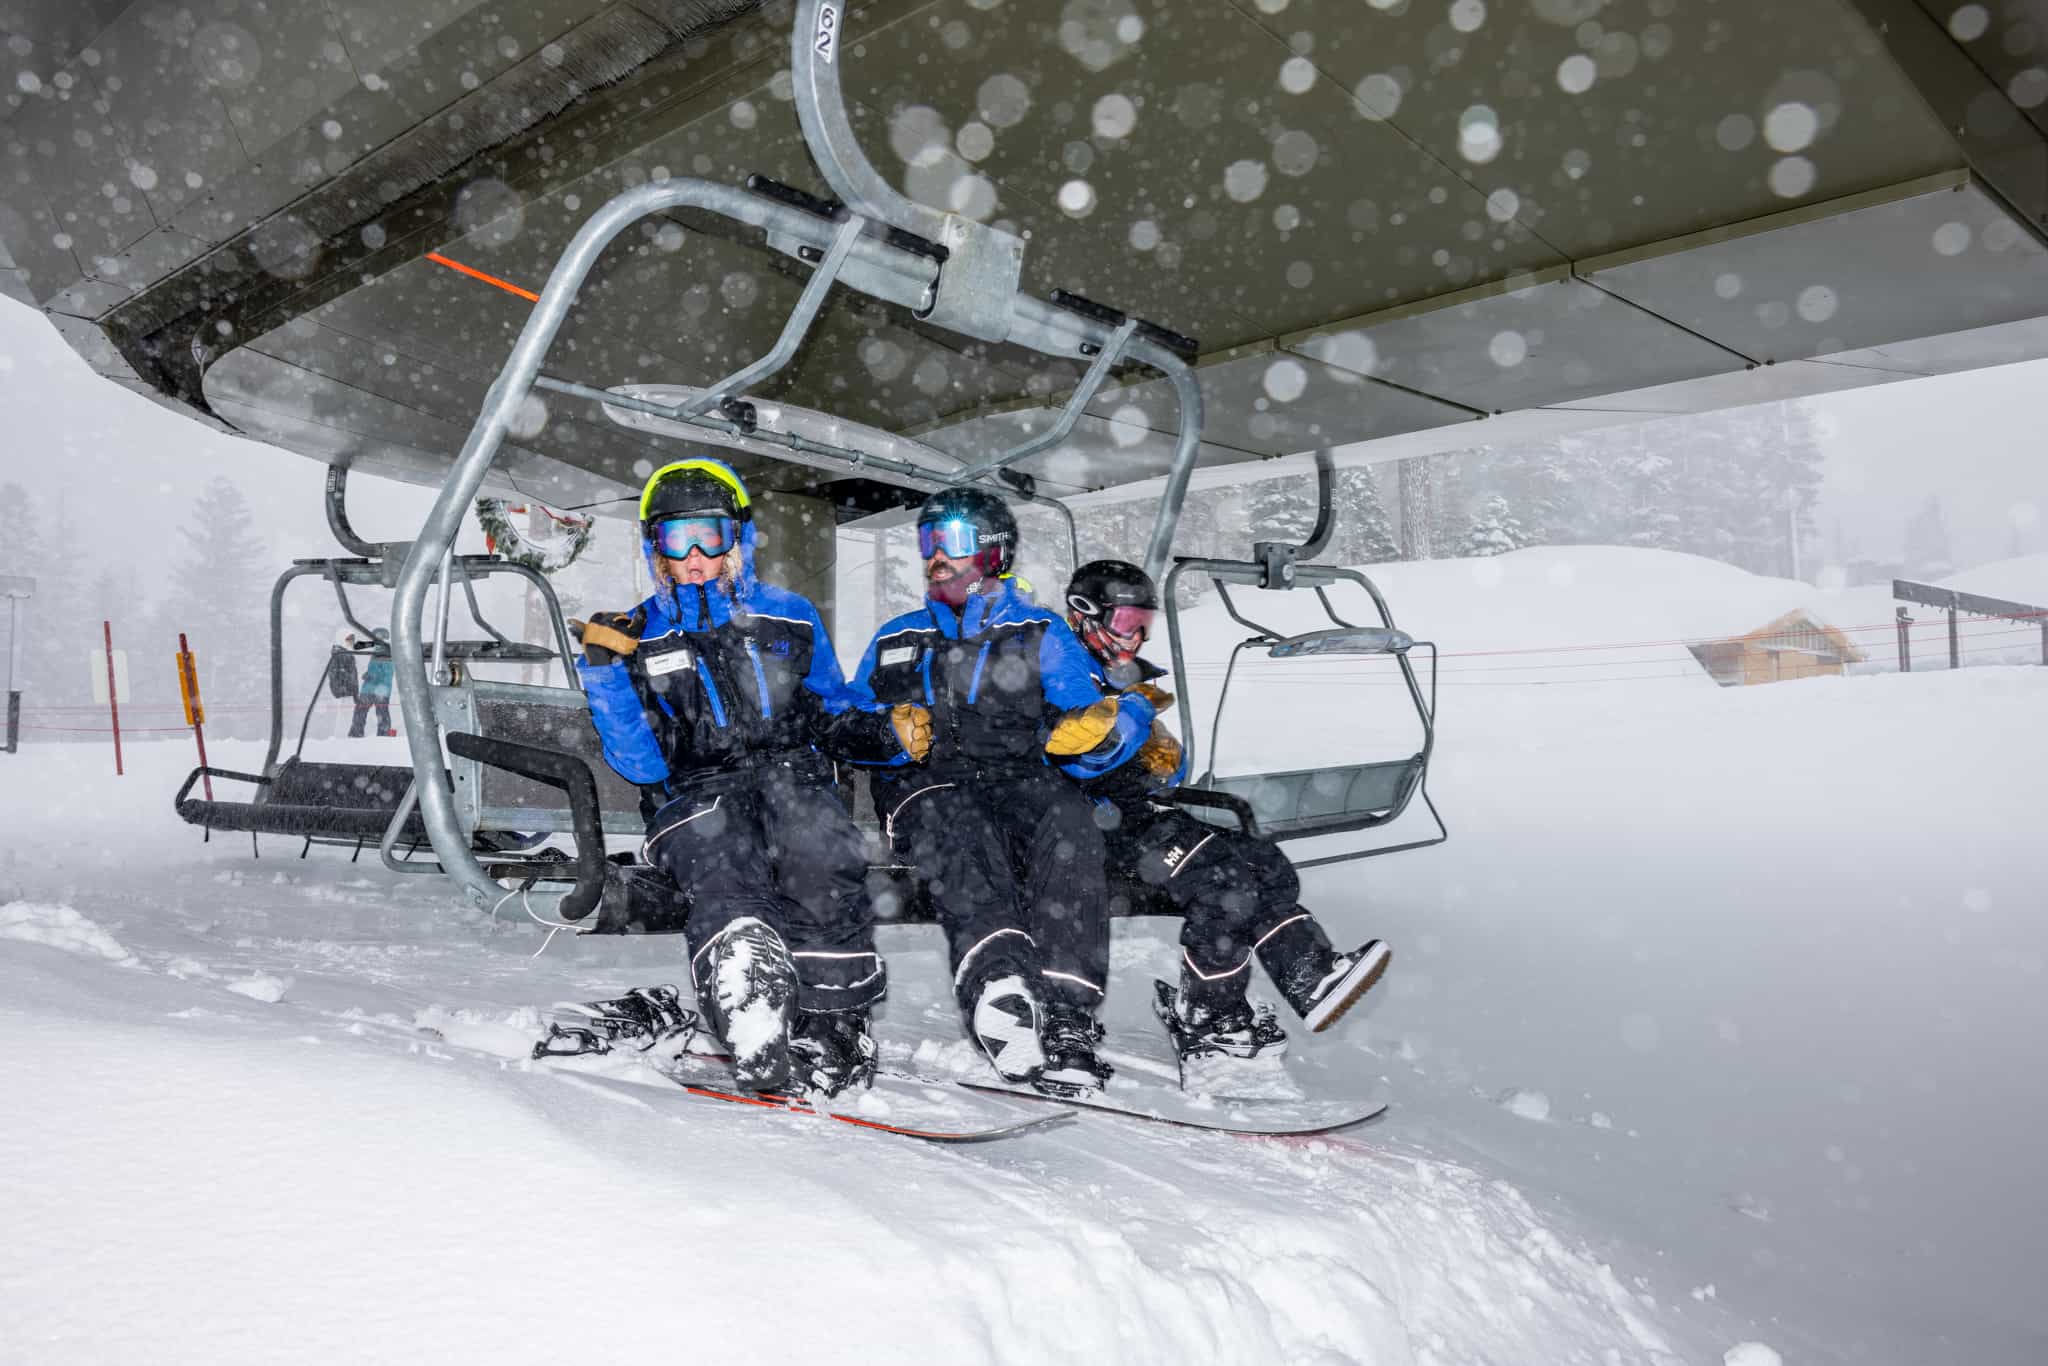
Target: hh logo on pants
{"points": [[1174, 856]]}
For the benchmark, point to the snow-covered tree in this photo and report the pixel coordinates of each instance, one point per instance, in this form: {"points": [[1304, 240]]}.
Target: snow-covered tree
{"points": [[1281, 509], [1494, 530], [1364, 534], [220, 585]]}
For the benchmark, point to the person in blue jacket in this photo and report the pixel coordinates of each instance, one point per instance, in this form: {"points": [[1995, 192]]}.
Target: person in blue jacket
{"points": [[1005, 846], [1237, 894], [717, 696], [376, 686]]}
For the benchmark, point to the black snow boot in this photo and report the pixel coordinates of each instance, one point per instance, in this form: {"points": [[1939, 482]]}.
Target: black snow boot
{"points": [[832, 1051], [642, 1018], [1319, 983], [748, 989], [1072, 1068], [1007, 1022]]}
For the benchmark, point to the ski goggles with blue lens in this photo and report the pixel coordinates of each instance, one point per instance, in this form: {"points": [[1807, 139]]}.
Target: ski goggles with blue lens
{"points": [[676, 537], [955, 539]]}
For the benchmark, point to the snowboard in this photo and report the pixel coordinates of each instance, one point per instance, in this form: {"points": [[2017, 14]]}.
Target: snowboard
{"points": [[1162, 1105], [931, 1111]]}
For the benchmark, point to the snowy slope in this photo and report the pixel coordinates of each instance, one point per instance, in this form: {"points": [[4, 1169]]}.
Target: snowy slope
{"points": [[1714, 1023], [2023, 578], [230, 1134]]}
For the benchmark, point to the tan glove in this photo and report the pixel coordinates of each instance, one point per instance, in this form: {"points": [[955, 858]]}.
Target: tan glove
{"points": [[1159, 697], [1159, 756], [607, 636], [1080, 731], [913, 725]]}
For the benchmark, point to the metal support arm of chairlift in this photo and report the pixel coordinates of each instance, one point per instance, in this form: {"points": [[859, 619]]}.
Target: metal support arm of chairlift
{"points": [[1278, 565], [949, 271]]}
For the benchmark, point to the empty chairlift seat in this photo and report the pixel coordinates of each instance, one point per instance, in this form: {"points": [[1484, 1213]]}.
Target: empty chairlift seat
{"points": [[322, 801]]}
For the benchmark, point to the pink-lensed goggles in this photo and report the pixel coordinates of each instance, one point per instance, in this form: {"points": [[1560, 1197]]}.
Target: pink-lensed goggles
{"points": [[676, 537]]}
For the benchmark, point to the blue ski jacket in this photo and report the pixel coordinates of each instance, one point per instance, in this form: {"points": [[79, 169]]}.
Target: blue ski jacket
{"points": [[725, 678], [996, 675]]}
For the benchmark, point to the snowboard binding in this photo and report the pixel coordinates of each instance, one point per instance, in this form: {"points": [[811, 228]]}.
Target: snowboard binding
{"points": [[1237, 1052], [642, 1018]]}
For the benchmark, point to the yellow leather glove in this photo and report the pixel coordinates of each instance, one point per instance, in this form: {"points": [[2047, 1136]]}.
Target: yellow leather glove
{"points": [[913, 725], [1159, 756], [1080, 731], [1159, 697], [607, 636]]}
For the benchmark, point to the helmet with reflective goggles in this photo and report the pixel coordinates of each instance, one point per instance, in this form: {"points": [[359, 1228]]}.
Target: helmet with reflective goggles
{"points": [[968, 523], [694, 488], [694, 505], [1111, 606]]}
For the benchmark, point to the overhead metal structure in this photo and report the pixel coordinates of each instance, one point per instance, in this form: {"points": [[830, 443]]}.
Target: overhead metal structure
{"points": [[1384, 223]]}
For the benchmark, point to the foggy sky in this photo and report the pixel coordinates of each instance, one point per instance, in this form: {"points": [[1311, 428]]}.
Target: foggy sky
{"points": [[1974, 440]]}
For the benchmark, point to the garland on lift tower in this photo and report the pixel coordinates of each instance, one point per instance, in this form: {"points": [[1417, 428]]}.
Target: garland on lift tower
{"points": [[504, 538]]}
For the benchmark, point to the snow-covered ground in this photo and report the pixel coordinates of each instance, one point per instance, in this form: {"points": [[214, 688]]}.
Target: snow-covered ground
{"points": [[1715, 1024]]}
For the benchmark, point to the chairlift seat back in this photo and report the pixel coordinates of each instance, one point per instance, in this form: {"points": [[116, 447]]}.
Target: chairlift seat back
{"points": [[1343, 640], [490, 798]]}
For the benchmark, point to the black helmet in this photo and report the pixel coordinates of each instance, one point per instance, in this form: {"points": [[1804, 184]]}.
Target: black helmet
{"points": [[1110, 605], [694, 486], [1102, 584], [968, 522]]}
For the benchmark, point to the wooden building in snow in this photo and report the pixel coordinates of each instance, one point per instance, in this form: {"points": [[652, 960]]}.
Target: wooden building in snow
{"points": [[1796, 645]]}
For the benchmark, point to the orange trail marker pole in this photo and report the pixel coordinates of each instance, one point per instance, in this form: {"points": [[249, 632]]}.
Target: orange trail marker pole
{"points": [[195, 710]]}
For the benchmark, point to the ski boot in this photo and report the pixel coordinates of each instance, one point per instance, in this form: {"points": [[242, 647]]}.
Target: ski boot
{"points": [[1005, 1023], [1348, 977], [748, 989], [832, 1051], [1317, 981], [642, 1018], [1072, 1069]]}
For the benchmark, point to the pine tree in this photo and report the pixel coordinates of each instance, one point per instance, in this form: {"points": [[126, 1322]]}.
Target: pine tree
{"points": [[1494, 529], [220, 586], [1281, 509], [1653, 519], [1450, 498], [1364, 534], [1926, 541]]}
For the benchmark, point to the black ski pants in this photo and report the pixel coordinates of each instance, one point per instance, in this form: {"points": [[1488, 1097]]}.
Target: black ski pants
{"points": [[775, 844], [1012, 864], [1235, 894]]}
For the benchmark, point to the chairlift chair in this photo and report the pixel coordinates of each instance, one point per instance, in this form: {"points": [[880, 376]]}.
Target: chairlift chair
{"points": [[954, 274], [509, 787], [1300, 803]]}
